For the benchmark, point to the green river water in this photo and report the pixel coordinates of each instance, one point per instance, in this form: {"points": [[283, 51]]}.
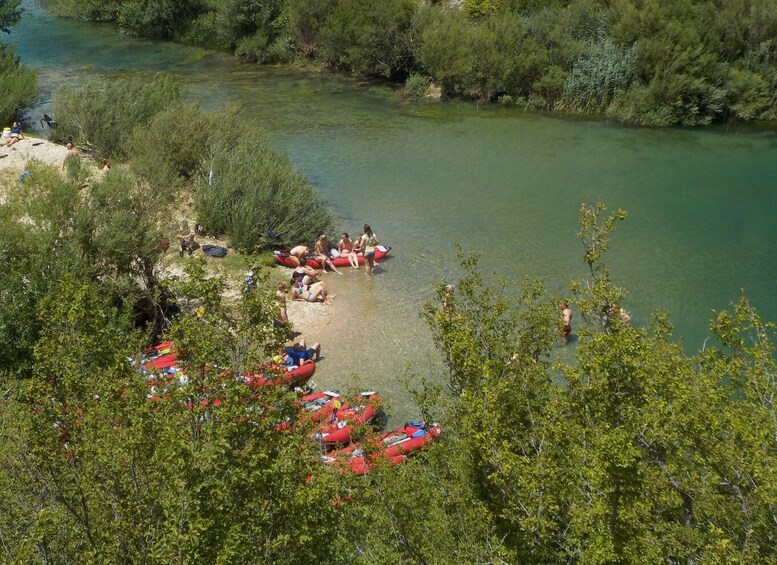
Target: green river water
{"points": [[505, 183]]}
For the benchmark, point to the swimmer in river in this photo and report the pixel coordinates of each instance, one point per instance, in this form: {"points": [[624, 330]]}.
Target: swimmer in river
{"points": [[566, 321]]}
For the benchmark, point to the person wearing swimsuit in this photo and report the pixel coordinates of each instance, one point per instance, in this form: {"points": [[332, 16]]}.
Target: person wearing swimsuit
{"points": [[368, 241], [345, 248]]}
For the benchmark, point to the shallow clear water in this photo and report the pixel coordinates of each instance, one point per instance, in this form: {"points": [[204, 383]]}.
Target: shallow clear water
{"points": [[508, 184]]}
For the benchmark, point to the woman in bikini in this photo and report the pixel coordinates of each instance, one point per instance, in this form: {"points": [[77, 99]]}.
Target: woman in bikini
{"points": [[368, 241], [346, 248], [316, 292]]}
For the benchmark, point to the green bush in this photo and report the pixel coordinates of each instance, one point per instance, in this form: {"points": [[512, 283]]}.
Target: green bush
{"points": [[171, 147], [246, 188], [416, 87], [161, 19], [10, 12], [602, 72], [18, 84], [373, 37], [86, 10], [102, 115]]}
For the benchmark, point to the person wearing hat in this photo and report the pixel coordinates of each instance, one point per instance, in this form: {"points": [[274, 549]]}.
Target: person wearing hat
{"points": [[322, 252]]}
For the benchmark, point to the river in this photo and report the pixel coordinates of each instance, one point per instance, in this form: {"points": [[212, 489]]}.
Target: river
{"points": [[505, 183]]}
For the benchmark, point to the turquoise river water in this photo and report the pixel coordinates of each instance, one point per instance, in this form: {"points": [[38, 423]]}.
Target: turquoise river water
{"points": [[508, 184]]}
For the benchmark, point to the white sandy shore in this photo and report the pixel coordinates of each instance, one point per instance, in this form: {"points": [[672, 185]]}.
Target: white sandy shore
{"points": [[17, 155]]}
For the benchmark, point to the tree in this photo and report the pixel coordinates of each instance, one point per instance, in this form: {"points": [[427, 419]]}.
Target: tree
{"points": [[10, 13], [101, 116], [642, 454], [18, 84], [245, 188]]}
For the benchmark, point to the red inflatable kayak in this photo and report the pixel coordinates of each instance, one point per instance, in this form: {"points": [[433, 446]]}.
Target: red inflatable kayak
{"points": [[160, 357], [282, 257], [338, 426], [282, 376], [391, 447]]}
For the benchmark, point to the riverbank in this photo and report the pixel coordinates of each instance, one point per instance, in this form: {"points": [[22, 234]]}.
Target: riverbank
{"points": [[15, 157]]}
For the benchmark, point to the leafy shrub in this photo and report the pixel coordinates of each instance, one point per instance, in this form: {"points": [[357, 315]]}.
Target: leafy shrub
{"points": [[246, 188], [748, 94], [172, 145], [602, 72], [306, 18], [416, 87], [445, 51], [18, 84], [86, 10], [102, 115], [159, 19], [373, 37], [10, 12]]}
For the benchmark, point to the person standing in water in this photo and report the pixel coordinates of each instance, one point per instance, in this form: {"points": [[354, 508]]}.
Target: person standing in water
{"points": [[368, 241], [566, 320]]}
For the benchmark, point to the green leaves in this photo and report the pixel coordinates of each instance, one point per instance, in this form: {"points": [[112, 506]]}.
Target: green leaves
{"points": [[245, 188], [18, 84]]}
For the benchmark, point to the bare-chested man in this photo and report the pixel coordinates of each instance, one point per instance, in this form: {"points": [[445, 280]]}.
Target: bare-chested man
{"points": [[298, 253], [566, 320]]}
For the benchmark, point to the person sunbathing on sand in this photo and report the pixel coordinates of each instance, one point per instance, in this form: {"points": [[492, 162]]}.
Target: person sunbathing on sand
{"points": [[7, 139], [315, 292]]}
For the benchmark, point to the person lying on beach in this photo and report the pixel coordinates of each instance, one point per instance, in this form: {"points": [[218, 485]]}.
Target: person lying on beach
{"points": [[14, 136], [316, 292], [323, 251], [298, 353], [346, 249]]}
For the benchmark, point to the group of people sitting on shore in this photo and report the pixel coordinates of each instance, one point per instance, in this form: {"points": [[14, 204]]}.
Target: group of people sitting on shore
{"points": [[305, 284], [323, 252]]}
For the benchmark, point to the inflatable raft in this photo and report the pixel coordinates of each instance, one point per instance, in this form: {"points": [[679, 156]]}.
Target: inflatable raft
{"points": [[389, 448], [281, 376], [339, 422], [283, 258], [160, 357]]}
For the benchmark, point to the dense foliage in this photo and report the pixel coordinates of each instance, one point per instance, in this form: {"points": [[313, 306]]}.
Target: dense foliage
{"points": [[247, 189], [675, 62], [242, 187], [102, 115], [18, 84], [644, 454]]}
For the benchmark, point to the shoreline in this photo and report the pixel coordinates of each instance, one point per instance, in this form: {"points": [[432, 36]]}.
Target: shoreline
{"points": [[30, 148]]}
